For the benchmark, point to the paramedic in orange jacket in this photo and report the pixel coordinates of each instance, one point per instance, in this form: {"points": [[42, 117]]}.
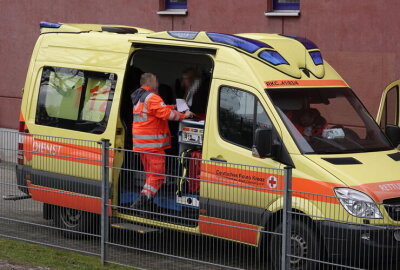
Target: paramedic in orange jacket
{"points": [[151, 135]]}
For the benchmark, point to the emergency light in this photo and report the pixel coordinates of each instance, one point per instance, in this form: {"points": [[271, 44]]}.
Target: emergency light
{"points": [[273, 57], [183, 34], [317, 57], [308, 44], [49, 25], [246, 44]]}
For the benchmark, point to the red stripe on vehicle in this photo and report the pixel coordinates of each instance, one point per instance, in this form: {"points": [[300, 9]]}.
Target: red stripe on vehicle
{"points": [[259, 180], [381, 191], [64, 151], [304, 83], [228, 229], [66, 199]]}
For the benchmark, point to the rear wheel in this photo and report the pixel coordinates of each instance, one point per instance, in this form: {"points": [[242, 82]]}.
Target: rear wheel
{"points": [[74, 222], [305, 245]]}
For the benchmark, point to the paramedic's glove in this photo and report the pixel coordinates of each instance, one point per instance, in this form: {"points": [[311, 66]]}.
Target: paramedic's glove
{"points": [[188, 114]]}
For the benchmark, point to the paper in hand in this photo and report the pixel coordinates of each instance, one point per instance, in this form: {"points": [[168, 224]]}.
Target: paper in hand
{"points": [[181, 105]]}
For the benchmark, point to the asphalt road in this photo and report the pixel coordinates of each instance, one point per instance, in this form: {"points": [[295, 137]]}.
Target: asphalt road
{"points": [[23, 219]]}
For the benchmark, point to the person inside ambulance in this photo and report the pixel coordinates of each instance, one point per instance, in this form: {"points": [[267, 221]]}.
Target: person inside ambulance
{"points": [[192, 88], [310, 123], [151, 135]]}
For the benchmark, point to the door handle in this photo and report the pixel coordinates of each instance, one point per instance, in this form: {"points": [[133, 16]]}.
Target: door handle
{"points": [[217, 159]]}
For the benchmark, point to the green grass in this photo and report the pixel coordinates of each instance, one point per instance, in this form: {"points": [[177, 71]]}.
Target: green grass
{"points": [[22, 253]]}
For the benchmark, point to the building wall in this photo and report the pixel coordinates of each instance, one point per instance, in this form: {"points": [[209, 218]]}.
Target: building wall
{"points": [[359, 37]]}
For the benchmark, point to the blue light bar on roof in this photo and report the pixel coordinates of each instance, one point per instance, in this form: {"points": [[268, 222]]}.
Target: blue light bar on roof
{"points": [[246, 44], [317, 57], [308, 44], [273, 57], [183, 34], [49, 25]]}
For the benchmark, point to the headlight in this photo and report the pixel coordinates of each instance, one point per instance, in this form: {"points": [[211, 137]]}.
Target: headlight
{"points": [[357, 203]]}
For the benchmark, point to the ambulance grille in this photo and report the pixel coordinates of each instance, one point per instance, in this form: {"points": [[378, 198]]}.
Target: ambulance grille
{"points": [[392, 206]]}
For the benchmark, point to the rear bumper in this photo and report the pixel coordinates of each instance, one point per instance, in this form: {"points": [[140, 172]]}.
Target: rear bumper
{"points": [[361, 244], [21, 172]]}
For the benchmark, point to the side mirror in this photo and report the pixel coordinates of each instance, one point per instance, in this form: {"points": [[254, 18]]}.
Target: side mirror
{"points": [[393, 133], [263, 143]]}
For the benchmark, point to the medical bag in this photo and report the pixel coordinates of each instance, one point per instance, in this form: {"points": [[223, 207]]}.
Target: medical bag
{"points": [[191, 169]]}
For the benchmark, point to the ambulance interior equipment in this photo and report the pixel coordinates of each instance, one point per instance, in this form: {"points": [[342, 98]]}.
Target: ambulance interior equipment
{"points": [[179, 193]]}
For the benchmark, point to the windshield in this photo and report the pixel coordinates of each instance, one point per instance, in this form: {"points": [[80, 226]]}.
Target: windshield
{"points": [[328, 121]]}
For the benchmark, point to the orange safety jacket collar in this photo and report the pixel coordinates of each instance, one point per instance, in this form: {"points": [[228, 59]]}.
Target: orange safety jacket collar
{"points": [[148, 88]]}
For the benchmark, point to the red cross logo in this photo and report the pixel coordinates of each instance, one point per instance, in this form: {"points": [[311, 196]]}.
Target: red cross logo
{"points": [[272, 182]]}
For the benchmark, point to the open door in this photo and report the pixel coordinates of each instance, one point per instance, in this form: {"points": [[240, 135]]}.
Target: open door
{"points": [[177, 201], [388, 113]]}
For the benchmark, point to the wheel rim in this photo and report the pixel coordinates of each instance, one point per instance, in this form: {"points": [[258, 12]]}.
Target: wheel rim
{"points": [[70, 217], [299, 248]]}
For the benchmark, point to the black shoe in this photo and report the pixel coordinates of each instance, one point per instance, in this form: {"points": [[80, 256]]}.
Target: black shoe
{"points": [[142, 203]]}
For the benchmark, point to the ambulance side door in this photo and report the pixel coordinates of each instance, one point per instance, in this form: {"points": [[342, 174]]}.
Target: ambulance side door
{"points": [[233, 108], [71, 110], [236, 186], [235, 111], [388, 113]]}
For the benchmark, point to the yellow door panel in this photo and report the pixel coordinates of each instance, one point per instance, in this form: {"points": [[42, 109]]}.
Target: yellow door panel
{"points": [[229, 137], [234, 112], [388, 113]]}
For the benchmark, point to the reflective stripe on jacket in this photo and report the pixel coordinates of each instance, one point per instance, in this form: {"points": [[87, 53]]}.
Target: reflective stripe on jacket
{"points": [[150, 131]]}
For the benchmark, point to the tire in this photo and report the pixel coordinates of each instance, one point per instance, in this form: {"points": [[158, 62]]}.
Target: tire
{"points": [[304, 243], [75, 222]]}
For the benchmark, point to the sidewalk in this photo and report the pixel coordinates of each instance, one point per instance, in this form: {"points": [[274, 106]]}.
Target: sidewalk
{"points": [[5, 265]]}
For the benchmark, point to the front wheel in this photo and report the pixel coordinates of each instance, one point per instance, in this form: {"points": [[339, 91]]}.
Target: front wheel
{"points": [[75, 222], [305, 245]]}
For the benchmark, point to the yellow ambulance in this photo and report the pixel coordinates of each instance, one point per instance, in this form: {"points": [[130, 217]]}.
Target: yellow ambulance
{"points": [[271, 101]]}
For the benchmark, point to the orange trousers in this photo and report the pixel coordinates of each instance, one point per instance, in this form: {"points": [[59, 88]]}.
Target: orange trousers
{"points": [[154, 166]]}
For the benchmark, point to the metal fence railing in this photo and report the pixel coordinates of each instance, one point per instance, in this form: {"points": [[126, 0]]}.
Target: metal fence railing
{"points": [[189, 203], [80, 195], [42, 181]]}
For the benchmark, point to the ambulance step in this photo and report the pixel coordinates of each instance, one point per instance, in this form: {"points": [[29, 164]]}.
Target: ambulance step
{"points": [[134, 227], [16, 197]]}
